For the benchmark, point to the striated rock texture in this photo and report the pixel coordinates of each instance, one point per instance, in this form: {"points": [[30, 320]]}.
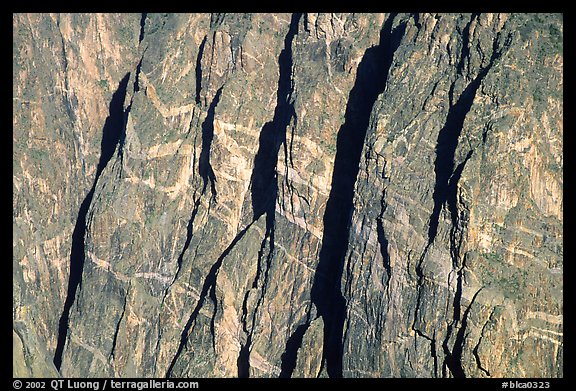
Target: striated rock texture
{"points": [[276, 195]]}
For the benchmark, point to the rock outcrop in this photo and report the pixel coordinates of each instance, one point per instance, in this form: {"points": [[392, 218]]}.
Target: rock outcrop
{"points": [[276, 195]]}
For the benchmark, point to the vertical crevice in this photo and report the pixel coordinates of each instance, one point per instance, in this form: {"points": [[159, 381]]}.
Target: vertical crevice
{"points": [[142, 24], [209, 78], [416, 17], [136, 80], [371, 79], [452, 203], [419, 284], [135, 89], [259, 283], [448, 138], [478, 363], [293, 344], [189, 235], [204, 166], [208, 285], [446, 186], [453, 359], [135, 86], [432, 341], [457, 298], [383, 241], [434, 355], [114, 127], [445, 150], [465, 52], [111, 135], [215, 309], [216, 19], [446, 190], [198, 70], [117, 330], [384, 248], [475, 350], [243, 361], [306, 23], [254, 286], [189, 232], [264, 179], [456, 235]]}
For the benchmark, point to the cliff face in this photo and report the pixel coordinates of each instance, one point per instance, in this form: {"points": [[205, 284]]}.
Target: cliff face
{"points": [[357, 195]]}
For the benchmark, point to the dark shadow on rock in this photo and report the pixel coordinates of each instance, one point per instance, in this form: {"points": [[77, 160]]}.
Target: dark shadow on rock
{"points": [[111, 135], [204, 166], [371, 78]]}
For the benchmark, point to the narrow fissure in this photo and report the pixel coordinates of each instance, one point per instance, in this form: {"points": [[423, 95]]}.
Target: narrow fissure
{"points": [[204, 166], [445, 192], [199, 69], [206, 172], [243, 361], [457, 298], [433, 353], [135, 89], [446, 186], [456, 240], [111, 135], [371, 78], [64, 56], [453, 359], [209, 79], [215, 309], [383, 241], [136, 81], [207, 135], [432, 341], [478, 363], [216, 19], [452, 202], [465, 53], [254, 286], [475, 350], [264, 179], [142, 24], [419, 284], [447, 143], [264, 185], [209, 283], [293, 344], [244, 357], [189, 231], [450, 361], [117, 330]]}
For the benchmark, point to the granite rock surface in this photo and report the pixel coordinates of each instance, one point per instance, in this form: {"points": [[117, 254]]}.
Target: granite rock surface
{"points": [[288, 195]]}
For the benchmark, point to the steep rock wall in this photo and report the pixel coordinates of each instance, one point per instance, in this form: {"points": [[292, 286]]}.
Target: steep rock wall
{"points": [[276, 195]]}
